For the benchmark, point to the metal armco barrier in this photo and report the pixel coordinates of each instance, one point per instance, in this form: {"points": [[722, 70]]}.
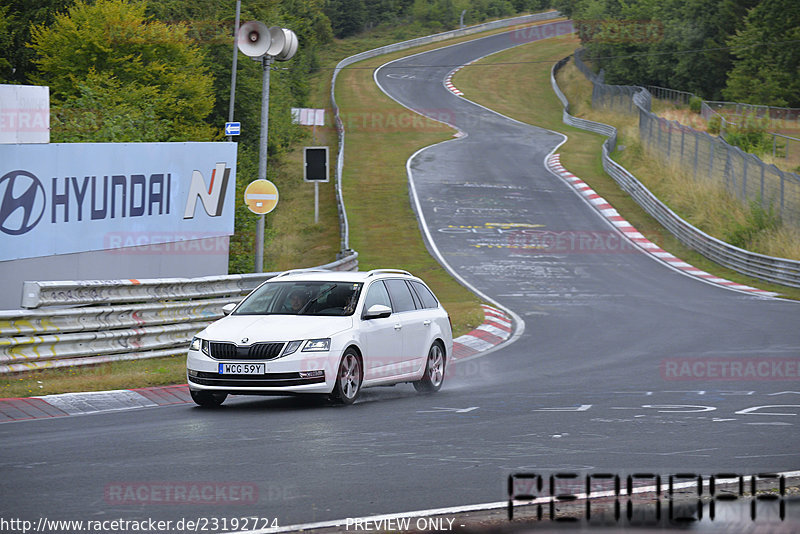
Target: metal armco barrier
{"points": [[777, 270], [100, 321], [396, 47]]}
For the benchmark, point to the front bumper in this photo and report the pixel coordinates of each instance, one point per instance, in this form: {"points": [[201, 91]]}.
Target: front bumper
{"points": [[283, 375]]}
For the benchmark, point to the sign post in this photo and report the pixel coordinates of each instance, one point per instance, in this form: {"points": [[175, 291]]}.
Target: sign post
{"points": [[260, 197]]}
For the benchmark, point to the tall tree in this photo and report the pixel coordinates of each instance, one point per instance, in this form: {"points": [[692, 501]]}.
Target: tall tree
{"points": [[5, 43], [673, 43], [347, 17], [18, 17], [111, 47], [767, 66]]}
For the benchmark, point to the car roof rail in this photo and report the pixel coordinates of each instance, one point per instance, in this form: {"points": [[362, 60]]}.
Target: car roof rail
{"points": [[296, 271], [388, 271]]}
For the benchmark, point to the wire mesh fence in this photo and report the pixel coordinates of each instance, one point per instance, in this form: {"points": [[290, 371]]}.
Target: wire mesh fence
{"points": [[670, 95], [791, 115], [772, 269], [703, 156]]}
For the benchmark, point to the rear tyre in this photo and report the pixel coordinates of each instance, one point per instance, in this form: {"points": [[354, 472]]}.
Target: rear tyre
{"points": [[433, 378], [348, 379], [208, 399]]}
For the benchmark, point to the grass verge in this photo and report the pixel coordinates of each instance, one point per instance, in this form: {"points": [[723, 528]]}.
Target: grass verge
{"points": [[516, 83], [115, 375]]}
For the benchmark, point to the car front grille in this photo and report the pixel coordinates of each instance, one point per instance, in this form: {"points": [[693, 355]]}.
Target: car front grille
{"points": [[257, 351]]}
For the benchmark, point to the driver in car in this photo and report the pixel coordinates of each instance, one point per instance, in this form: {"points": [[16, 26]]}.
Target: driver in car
{"points": [[295, 302]]}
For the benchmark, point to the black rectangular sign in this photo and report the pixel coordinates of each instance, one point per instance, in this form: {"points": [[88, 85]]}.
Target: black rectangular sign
{"points": [[315, 164]]}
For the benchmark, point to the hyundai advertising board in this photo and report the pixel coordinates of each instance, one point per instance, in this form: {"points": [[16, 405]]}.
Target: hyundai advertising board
{"points": [[80, 197]]}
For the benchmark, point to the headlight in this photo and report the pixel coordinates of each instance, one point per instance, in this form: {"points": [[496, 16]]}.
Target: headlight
{"points": [[291, 347], [195, 344], [318, 345]]}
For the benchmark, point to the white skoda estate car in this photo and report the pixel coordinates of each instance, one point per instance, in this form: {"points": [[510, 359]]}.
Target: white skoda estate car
{"points": [[323, 332]]}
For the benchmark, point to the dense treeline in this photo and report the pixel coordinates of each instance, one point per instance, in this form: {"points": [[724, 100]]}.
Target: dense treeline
{"points": [[130, 70], [349, 17], [740, 50], [138, 70]]}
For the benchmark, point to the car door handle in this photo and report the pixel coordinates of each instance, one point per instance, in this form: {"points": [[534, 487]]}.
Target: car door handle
{"points": [[426, 322], [398, 326]]}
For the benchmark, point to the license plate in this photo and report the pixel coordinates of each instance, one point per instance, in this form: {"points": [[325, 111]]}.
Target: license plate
{"points": [[242, 368]]}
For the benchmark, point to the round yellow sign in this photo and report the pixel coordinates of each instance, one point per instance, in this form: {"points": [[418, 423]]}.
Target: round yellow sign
{"points": [[261, 196]]}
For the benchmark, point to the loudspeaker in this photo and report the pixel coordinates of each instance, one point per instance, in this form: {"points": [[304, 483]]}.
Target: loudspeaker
{"points": [[276, 41], [254, 39], [289, 47]]}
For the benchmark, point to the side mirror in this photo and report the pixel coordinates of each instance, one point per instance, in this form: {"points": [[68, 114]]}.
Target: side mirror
{"points": [[228, 308], [378, 311]]}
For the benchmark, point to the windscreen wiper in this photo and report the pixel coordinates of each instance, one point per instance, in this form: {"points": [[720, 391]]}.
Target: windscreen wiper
{"points": [[315, 299]]}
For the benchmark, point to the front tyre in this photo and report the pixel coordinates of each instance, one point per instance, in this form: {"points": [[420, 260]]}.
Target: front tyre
{"points": [[348, 379], [434, 371], [208, 399]]}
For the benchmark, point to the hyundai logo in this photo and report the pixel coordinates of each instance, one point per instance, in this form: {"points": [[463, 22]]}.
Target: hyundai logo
{"points": [[22, 202]]}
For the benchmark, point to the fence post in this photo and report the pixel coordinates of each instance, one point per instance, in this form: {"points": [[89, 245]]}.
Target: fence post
{"points": [[744, 177], [696, 153], [669, 140], [711, 160], [659, 133], [730, 174], [683, 135]]}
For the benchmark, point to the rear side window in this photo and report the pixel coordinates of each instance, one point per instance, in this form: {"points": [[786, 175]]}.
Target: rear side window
{"points": [[428, 300], [401, 295]]}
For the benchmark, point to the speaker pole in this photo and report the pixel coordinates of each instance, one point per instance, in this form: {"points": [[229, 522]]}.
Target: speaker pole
{"points": [[235, 63], [266, 62]]}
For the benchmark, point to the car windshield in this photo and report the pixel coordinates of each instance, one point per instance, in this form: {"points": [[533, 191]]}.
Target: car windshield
{"points": [[302, 298]]}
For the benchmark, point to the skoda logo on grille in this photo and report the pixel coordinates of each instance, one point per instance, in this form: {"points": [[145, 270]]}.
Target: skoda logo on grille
{"points": [[245, 339], [22, 201]]}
